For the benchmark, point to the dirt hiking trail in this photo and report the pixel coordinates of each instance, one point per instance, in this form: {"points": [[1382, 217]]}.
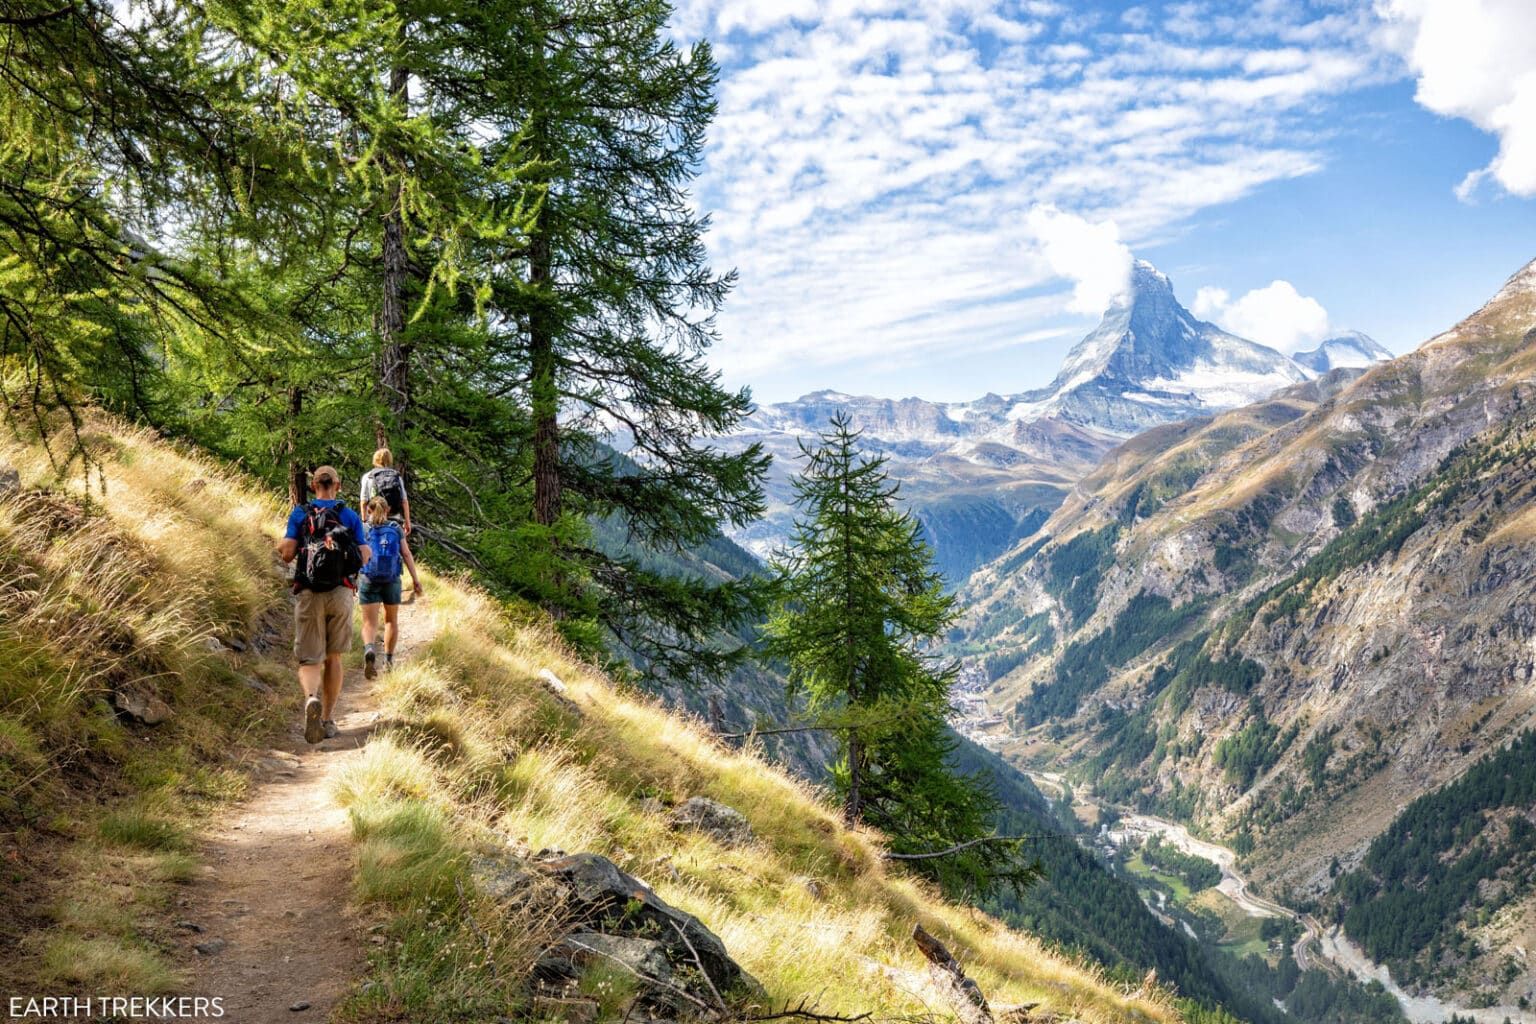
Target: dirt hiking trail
{"points": [[270, 925]]}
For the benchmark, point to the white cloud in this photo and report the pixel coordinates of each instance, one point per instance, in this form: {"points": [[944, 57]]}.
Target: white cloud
{"points": [[1090, 255], [1276, 315], [1209, 302], [1476, 59]]}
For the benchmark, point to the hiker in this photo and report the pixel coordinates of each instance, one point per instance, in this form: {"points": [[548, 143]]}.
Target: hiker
{"points": [[380, 584], [384, 481], [326, 539]]}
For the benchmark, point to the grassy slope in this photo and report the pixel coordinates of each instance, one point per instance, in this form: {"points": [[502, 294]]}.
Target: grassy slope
{"points": [[117, 585], [125, 590]]}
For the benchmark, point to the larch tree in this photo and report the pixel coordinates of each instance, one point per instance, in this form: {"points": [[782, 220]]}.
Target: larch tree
{"points": [[606, 331], [858, 609]]}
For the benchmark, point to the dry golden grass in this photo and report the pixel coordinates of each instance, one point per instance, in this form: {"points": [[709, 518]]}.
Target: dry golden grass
{"points": [[481, 757], [116, 578]]}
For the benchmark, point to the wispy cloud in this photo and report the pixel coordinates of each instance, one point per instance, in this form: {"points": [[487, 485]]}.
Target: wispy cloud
{"points": [[889, 177]]}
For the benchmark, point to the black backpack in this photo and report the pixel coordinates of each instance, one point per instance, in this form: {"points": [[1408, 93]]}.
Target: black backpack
{"points": [[388, 485], [328, 552]]}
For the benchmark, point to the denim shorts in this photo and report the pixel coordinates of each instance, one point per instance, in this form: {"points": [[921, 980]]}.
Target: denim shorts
{"points": [[372, 591]]}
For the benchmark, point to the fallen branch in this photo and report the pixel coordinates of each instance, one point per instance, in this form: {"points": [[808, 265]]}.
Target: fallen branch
{"points": [[699, 962], [963, 993], [804, 1011], [962, 847], [779, 731], [674, 989]]}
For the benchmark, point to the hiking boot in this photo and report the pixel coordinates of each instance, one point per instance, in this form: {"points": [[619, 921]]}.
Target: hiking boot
{"points": [[389, 663], [314, 728], [370, 663], [331, 732]]}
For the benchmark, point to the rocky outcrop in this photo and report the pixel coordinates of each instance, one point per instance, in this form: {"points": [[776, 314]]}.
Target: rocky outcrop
{"points": [[138, 705], [723, 824], [614, 917]]}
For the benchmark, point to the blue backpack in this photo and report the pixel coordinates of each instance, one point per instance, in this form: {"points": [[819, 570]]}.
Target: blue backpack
{"points": [[385, 542]]}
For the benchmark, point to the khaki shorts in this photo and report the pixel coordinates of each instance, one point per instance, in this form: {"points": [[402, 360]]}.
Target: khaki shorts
{"points": [[322, 624]]}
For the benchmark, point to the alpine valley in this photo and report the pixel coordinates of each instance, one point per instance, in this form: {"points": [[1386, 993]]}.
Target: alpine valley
{"points": [[984, 475], [1300, 628]]}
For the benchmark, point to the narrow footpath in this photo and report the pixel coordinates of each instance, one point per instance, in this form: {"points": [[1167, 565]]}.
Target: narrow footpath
{"points": [[270, 924]]}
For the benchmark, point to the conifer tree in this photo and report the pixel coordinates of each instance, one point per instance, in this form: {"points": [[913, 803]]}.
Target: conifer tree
{"points": [[606, 332], [857, 608], [105, 131]]}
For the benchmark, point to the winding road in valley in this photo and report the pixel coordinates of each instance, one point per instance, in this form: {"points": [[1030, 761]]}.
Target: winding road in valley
{"points": [[1319, 947]]}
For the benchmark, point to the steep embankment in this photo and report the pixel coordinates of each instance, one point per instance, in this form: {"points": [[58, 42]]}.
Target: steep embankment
{"points": [[1284, 624], [127, 732]]}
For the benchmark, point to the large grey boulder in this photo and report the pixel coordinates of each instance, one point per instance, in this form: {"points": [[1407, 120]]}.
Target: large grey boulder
{"points": [[725, 825], [607, 900]]}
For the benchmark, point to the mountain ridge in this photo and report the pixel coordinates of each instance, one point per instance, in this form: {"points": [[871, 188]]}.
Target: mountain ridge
{"points": [[981, 474]]}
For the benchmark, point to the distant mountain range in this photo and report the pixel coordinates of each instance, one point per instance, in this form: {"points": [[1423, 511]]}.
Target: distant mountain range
{"points": [[983, 475]]}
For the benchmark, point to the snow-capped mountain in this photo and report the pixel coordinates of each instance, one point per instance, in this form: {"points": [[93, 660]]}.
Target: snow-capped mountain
{"points": [[1151, 361], [983, 474], [1351, 349]]}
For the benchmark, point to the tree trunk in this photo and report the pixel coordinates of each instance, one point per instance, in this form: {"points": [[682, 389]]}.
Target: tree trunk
{"points": [[298, 476], [394, 382], [853, 803], [544, 390], [962, 993]]}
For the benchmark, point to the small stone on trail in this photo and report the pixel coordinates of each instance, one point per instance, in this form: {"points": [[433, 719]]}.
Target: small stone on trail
{"points": [[299, 1007], [190, 926], [212, 947], [211, 643]]}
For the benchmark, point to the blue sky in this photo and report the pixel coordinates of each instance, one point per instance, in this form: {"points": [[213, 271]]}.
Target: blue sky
{"points": [[937, 199]]}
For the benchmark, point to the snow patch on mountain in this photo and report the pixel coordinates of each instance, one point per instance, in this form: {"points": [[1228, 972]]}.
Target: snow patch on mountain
{"points": [[1352, 350]]}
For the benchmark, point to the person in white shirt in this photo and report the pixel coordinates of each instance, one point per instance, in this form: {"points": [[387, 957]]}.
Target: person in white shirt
{"points": [[384, 481]]}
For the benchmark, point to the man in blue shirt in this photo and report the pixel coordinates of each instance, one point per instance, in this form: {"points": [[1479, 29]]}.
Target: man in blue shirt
{"points": [[322, 611]]}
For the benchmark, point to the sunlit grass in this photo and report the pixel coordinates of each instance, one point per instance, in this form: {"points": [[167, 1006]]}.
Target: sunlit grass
{"points": [[100, 584], [115, 579], [809, 908]]}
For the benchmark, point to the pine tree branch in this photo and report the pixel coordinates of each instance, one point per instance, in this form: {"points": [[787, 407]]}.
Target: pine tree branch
{"points": [[805, 1010], [33, 20]]}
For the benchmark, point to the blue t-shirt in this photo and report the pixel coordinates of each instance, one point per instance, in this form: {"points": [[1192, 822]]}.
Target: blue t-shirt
{"points": [[350, 519]]}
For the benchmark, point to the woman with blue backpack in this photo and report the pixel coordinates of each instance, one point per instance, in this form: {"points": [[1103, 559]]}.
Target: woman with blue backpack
{"points": [[380, 583]]}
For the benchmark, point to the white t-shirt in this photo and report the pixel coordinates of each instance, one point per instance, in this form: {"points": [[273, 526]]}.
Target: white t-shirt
{"points": [[369, 490]]}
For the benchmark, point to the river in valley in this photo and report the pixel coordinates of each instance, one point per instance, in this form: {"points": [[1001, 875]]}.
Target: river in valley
{"points": [[1318, 947]]}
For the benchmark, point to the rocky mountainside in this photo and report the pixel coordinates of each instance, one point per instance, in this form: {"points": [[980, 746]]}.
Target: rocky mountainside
{"points": [[1290, 623], [983, 475]]}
